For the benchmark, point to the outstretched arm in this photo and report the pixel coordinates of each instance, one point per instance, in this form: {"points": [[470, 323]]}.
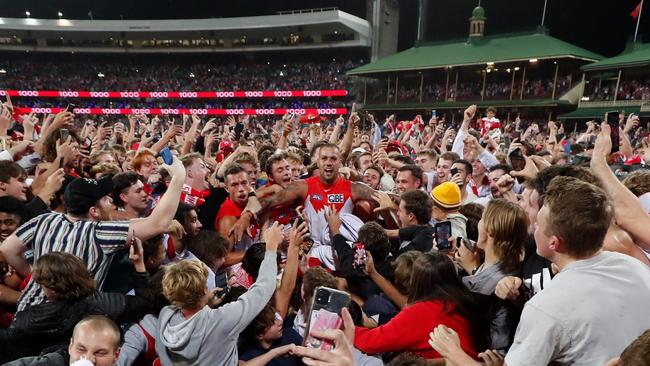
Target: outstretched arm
{"points": [[362, 192], [256, 207], [627, 210]]}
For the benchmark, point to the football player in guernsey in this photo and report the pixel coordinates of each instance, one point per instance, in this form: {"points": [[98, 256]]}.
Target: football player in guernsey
{"points": [[327, 189]]}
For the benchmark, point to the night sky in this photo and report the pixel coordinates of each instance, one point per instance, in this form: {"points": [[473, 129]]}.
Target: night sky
{"points": [[600, 26]]}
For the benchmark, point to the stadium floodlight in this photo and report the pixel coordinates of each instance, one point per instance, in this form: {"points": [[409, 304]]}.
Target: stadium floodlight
{"points": [[27, 13], [60, 14], [3, 71], [191, 74], [532, 60], [516, 68], [100, 74], [490, 63]]}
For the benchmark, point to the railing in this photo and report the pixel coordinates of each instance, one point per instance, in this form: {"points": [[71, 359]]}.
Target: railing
{"points": [[302, 11], [612, 103]]}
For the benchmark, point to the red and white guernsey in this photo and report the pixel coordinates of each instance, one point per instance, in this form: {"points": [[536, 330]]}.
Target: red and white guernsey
{"points": [[337, 196]]}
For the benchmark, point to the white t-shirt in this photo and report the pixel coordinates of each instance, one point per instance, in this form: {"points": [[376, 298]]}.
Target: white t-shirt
{"points": [[586, 315]]}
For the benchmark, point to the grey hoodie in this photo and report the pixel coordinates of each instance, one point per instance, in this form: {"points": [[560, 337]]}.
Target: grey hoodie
{"points": [[210, 336], [135, 342]]}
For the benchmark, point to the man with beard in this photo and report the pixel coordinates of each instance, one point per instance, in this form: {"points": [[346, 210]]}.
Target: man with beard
{"points": [[85, 230], [327, 189]]}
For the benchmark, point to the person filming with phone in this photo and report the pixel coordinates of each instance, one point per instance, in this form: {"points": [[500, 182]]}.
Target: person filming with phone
{"points": [[414, 213]]}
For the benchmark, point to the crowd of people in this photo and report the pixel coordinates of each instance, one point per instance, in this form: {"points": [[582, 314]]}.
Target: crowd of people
{"points": [[146, 241], [634, 89], [142, 73], [535, 88], [254, 103]]}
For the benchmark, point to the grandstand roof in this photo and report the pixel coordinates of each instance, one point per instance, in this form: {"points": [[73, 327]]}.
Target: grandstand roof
{"points": [[635, 56], [496, 48]]}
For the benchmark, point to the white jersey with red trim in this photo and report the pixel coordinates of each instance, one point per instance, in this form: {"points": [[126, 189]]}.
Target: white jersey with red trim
{"points": [[337, 195], [488, 124]]}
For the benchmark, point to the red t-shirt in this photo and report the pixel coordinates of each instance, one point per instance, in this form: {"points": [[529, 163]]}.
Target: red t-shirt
{"points": [[409, 331], [229, 208]]}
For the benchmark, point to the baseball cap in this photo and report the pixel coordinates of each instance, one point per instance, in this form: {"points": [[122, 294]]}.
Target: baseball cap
{"points": [[447, 195], [310, 118], [225, 146], [83, 193]]}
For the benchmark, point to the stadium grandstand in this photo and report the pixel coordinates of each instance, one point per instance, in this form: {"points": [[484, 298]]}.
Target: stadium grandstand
{"points": [[532, 74]]}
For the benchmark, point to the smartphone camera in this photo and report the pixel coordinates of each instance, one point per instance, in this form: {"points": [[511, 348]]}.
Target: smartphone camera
{"points": [[322, 297]]}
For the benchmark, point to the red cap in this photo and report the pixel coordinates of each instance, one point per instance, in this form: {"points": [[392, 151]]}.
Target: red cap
{"points": [[225, 146], [311, 118]]}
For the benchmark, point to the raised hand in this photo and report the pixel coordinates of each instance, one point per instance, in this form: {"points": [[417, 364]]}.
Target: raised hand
{"points": [[136, 254], [470, 112], [62, 119], [273, 237], [298, 234], [176, 169], [384, 201], [603, 145], [6, 111], [333, 220]]}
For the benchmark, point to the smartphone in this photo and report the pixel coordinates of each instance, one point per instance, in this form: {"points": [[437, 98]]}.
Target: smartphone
{"points": [[65, 133], [360, 256], [433, 113], [166, 155], [442, 233], [325, 313], [70, 107], [453, 171], [613, 122], [466, 242], [238, 130]]}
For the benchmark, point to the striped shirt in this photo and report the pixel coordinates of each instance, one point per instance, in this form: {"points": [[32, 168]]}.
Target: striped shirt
{"points": [[92, 241]]}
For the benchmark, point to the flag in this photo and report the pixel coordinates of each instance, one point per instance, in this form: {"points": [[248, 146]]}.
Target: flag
{"points": [[637, 11]]}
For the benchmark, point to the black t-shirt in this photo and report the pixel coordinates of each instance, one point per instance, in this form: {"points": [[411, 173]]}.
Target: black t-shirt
{"points": [[358, 281], [208, 211], [417, 237], [289, 336], [536, 270]]}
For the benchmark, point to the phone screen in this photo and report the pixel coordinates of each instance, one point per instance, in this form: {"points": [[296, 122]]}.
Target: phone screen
{"points": [[613, 122], [442, 235], [360, 256], [326, 306], [65, 133]]}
